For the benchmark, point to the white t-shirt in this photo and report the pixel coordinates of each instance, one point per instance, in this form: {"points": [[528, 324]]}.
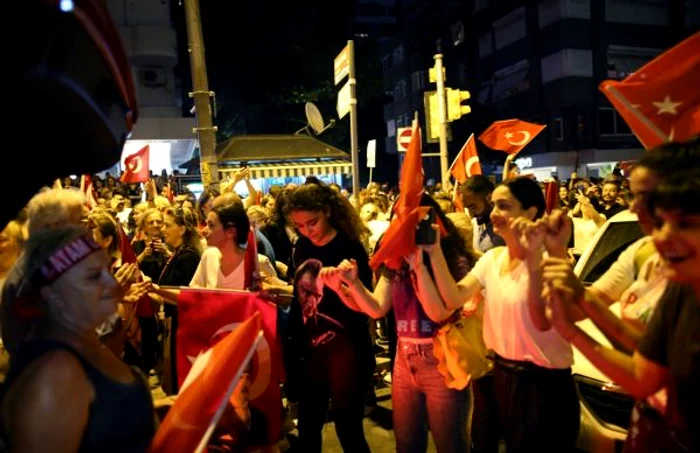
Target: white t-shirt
{"points": [[209, 275], [508, 329], [584, 231], [621, 274]]}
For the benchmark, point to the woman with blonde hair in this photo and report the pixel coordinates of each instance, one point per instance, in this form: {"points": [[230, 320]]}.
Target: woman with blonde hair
{"points": [[65, 392]]}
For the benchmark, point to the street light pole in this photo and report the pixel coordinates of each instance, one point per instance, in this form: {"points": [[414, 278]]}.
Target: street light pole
{"points": [[205, 129], [442, 112]]}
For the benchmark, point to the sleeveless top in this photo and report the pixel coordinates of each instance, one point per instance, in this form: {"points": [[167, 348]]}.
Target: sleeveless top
{"points": [[121, 417]]}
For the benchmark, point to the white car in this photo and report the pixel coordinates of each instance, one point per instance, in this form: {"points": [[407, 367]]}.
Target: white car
{"points": [[605, 407]]}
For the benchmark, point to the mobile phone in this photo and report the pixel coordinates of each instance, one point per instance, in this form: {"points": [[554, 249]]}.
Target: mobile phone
{"points": [[581, 188], [425, 235]]}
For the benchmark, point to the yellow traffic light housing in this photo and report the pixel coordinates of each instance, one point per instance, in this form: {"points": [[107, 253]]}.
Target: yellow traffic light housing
{"points": [[455, 109]]}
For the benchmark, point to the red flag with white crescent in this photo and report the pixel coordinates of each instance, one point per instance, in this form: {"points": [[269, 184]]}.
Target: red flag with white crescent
{"points": [[206, 315], [510, 136], [466, 164], [198, 407], [88, 190], [137, 166]]}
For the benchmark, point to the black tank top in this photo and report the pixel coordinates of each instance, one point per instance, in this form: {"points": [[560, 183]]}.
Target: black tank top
{"points": [[121, 416]]}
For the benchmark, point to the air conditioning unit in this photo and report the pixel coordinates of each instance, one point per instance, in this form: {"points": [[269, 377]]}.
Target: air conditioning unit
{"points": [[153, 77]]}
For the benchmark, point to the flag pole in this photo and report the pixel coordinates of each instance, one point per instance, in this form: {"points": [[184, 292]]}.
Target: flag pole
{"points": [[224, 401]]}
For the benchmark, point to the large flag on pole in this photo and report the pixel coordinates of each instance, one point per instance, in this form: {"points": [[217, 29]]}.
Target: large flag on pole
{"points": [[466, 164], [137, 166], [205, 315], [399, 239], [510, 136], [207, 390], [660, 102]]}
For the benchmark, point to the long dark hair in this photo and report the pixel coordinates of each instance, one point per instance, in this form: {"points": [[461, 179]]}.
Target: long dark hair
{"points": [[318, 197]]}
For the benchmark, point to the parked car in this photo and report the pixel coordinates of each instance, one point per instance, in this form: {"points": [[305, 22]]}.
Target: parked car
{"points": [[605, 406]]}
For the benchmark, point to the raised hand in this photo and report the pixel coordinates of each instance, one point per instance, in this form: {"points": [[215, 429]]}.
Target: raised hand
{"points": [[559, 228], [330, 276], [347, 272], [558, 274], [530, 234]]}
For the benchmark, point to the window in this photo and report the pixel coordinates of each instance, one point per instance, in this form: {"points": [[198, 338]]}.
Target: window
{"points": [[400, 90], [486, 92], [615, 239], [386, 63], [559, 128], [567, 63], [457, 32], [398, 56], [391, 128], [551, 11], [611, 123], [510, 28], [511, 80], [485, 45], [645, 12], [624, 60], [418, 81]]}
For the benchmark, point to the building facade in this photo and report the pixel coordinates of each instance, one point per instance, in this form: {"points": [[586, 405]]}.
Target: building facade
{"points": [[151, 42], [542, 61]]}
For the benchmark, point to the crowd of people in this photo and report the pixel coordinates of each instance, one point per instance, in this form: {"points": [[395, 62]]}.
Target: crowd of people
{"points": [[84, 324]]}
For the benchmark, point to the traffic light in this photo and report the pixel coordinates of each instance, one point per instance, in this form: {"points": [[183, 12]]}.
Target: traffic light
{"points": [[432, 116], [455, 109]]}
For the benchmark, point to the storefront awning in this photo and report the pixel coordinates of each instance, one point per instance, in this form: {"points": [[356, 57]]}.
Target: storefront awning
{"points": [[290, 169]]}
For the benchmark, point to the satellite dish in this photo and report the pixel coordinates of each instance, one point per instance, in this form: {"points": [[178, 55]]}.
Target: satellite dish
{"points": [[314, 120]]}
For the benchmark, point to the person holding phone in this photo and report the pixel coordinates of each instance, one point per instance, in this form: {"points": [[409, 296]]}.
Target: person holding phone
{"points": [[537, 399], [418, 388]]}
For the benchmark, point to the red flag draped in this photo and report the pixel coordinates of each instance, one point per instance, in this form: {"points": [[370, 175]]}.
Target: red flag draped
{"points": [[467, 162], [198, 404], [399, 239], [658, 101], [206, 314], [510, 136], [137, 166]]}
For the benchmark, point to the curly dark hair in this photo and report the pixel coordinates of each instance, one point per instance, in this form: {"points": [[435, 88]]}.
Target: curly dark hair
{"points": [[318, 197], [453, 246]]}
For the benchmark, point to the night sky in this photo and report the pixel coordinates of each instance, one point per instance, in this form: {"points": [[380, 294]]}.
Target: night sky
{"points": [[265, 59]]}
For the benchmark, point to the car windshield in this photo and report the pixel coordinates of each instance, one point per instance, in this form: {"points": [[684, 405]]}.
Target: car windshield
{"points": [[616, 238]]}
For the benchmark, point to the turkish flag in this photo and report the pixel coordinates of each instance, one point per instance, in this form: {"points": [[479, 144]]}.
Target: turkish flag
{"points": [[466, 164], [510, 136], [205, 315], [457, 199], [399, 239], [137, 169], [209, 385], [658, 102]]}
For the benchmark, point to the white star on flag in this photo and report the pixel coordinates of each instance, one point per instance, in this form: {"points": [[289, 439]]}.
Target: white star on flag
{"points": [[667, 106], [509, 135]]}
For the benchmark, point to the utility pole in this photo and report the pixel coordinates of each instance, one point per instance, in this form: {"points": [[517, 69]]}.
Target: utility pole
{"points": [[354, 152], [205, 129], [442, 113]]}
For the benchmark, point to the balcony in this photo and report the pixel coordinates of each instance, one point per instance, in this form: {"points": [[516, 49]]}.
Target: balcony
{"points": [[150, 45]]}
